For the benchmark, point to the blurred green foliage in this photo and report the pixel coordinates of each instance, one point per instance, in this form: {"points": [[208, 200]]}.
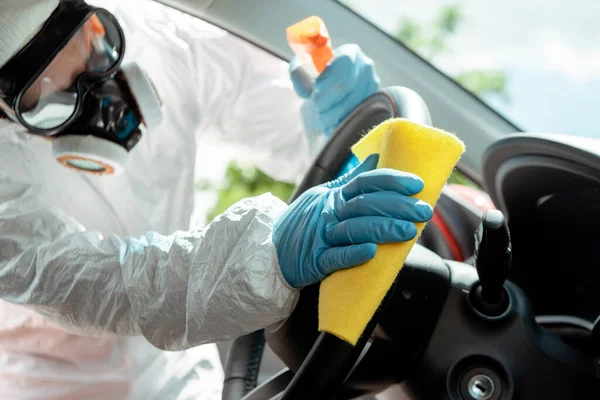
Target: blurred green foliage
{"points": [[241, 181], [461, 179], [430, 40]]}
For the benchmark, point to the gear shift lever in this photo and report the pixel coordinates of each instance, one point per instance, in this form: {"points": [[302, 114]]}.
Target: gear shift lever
{"points": [[493, 257]]}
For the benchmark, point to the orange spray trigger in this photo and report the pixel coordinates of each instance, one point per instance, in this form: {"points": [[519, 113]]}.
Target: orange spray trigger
{"points": [[309, 40], [93, 31], [97, 26]]}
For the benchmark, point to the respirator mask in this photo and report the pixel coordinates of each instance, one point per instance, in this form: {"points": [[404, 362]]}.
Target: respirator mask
{"points": [[68, 84]]}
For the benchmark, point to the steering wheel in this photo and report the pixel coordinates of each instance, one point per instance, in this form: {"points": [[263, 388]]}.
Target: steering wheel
{"points": [[439, 330]]}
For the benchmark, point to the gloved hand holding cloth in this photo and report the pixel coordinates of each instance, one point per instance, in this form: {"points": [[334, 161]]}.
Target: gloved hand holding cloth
{"points": [[339, 224], [348, 299]]}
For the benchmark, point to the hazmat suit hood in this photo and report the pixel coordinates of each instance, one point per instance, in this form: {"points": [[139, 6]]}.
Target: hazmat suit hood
{"points": [[20, 21]]}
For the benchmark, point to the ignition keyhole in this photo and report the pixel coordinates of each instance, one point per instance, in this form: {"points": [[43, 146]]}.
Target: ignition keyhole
{"points": [[481, 387]]}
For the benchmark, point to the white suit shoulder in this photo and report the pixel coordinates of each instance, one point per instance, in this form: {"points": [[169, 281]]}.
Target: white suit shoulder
{"points": [[178, 290]]}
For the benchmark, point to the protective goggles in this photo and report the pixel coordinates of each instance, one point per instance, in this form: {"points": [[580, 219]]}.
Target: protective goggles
{"points": [[35, 90]]}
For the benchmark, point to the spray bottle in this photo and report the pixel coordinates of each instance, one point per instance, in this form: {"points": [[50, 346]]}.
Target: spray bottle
{"points": [[310, 42]]}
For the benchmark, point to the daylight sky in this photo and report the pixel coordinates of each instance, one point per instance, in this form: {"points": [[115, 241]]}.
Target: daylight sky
{"points": [[549, 48]]}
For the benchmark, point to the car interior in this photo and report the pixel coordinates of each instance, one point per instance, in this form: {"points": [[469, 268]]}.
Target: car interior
{"points": [[494, 304]]}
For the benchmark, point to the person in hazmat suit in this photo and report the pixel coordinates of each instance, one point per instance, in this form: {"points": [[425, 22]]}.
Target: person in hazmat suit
{"points": [[100, 270]]}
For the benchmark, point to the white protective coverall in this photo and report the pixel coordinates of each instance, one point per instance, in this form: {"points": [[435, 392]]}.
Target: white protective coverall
{"points": [[116, 255]]}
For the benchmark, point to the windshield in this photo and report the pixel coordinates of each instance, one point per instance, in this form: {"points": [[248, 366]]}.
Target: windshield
{"points": [[536, 62]]}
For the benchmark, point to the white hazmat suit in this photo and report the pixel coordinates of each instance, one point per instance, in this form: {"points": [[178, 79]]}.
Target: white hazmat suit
{"points": [[131, 275]]}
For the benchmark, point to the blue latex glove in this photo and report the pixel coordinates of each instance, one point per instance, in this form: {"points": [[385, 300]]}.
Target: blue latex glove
{"points": [[351, 163], [338, 224], [349, 78]]}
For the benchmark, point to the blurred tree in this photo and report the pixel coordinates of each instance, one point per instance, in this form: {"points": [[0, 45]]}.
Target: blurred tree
{"points": [[241, 181], [430, 40]]}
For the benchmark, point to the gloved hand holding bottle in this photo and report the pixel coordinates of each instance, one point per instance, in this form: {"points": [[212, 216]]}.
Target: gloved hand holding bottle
{"points": [[339, 224], [333, 82], [346, 82]]}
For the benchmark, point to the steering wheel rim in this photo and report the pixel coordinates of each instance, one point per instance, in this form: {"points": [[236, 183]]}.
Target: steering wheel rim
{"points": [[436, 296], [392, 102], [431, 365], [241, 370]]}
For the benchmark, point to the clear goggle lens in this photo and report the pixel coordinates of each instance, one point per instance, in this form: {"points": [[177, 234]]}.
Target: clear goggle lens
{"points": [[52, 98]]}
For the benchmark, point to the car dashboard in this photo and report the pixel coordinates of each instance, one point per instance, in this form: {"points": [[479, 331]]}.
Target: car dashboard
{"points": [[549, 188]]}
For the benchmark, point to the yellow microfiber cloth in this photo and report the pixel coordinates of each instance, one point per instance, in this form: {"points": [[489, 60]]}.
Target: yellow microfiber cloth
{"points": [[349, 298]]}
